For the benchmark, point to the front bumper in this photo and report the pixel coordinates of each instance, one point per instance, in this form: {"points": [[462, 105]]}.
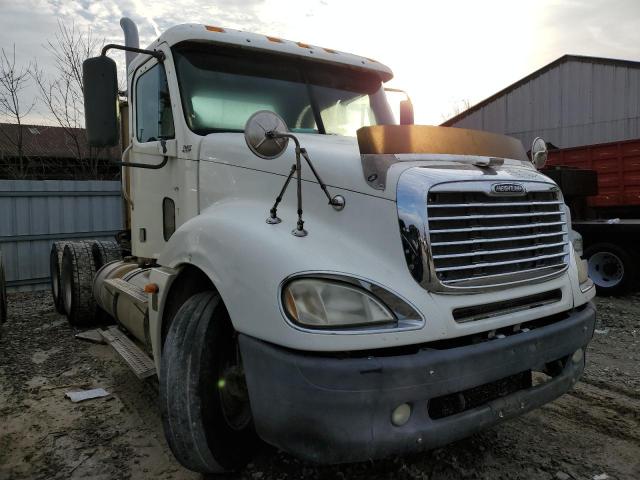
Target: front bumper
{"points": [[333, 410]]}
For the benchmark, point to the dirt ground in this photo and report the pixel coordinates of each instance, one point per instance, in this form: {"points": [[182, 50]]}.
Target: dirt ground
{"points": [[591, 433]]}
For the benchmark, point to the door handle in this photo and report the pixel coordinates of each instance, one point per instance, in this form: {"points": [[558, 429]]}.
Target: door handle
{"points": [[164, 151]]}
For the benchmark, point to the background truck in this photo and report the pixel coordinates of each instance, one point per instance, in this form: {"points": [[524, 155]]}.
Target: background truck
{"points": [[601, 184], [299, 269]]}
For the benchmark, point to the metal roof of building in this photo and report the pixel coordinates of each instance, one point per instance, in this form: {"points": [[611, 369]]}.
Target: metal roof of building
{"points": [[47, 141], [537, 73]]}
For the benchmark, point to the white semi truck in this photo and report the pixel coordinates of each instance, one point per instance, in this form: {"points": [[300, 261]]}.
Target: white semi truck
{"points": [[307, 272]]}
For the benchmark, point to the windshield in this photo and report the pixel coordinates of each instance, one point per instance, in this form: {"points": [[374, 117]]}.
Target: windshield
{"points": [[220, 91]]}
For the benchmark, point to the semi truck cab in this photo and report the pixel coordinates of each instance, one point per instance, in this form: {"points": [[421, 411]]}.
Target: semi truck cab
{"points": [[315, 275]]}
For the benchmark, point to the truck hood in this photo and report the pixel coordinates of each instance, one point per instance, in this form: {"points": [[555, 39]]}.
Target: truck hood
{"points": [[340, 164]]}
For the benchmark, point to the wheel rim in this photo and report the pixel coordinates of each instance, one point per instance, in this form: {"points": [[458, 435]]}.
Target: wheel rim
{"points": [[232, 389], [606, 269]]}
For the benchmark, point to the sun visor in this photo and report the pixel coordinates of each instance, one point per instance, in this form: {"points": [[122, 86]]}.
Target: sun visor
{"points": [[394, 139]]}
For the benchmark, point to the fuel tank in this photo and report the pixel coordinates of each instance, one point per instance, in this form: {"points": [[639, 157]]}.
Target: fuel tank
{"points": [[118, 288]]}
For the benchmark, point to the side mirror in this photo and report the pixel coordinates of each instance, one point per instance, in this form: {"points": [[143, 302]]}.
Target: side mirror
{"points": [[406, 113], [100, 79], [258, 133], [539, 153]]}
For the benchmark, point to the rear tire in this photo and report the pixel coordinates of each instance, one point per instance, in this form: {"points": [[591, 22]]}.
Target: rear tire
{"points": [[3, 293], [105, 251], [78, 271], [55, 269], [612, 268], [205, 406]]}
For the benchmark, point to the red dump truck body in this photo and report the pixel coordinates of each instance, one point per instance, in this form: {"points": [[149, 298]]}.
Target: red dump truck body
{"points": [[617, 165], [609, 220]]}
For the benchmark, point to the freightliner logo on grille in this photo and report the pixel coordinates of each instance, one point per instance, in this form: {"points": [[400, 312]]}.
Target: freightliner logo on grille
{"points": [[508, 189]]}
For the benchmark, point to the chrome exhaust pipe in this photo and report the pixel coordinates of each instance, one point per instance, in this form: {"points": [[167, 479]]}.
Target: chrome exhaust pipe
{"points": [[131, 38]]}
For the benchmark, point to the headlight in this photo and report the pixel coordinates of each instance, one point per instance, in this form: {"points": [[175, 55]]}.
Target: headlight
{"points": [[583, 270], [323, 303], [578, 249], [576, 241]]}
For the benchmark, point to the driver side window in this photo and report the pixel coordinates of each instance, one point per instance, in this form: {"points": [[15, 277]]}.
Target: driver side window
{"points": [[154, 119]]}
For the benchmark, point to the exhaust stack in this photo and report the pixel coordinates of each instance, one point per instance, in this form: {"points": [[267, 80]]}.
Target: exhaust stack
{"points": [[131, 38]]}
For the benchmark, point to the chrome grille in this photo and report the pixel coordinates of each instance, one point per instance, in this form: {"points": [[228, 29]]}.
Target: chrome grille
{"points": [[477, 239]]}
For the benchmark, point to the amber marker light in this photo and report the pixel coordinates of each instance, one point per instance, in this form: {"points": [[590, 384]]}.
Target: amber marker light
{"points": [[211, 28], [151, 288], [290, 305]]}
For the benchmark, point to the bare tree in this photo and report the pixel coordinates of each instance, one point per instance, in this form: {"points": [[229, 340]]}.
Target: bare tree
{"points": [[62, 93], [457, 108], [13, 80]]}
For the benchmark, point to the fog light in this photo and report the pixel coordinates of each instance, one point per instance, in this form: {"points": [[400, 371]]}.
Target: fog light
{"points": [[401, 414], [577, 356]]}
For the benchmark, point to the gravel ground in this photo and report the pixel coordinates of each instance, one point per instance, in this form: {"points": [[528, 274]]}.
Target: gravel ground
{"points": [[590, 433]]}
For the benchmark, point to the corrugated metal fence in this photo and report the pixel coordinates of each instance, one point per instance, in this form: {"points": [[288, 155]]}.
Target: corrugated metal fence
{"points": [[33, 214]]}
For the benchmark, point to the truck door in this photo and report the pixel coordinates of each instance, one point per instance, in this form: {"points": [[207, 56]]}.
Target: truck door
{"points": [[155, 194]]}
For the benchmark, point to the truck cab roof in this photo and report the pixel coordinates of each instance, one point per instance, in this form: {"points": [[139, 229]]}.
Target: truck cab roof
{"points": [[268, 44]]}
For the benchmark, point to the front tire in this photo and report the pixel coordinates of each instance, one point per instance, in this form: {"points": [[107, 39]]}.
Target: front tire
{"points": [[203, 397]]}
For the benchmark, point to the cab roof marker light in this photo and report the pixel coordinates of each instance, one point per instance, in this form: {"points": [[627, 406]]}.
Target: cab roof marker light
{"points": [[330, 50], [211, 28], [274, 39], [303, 45]]}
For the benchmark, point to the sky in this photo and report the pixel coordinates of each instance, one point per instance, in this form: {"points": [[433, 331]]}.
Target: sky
{"points": [[444, 53]]}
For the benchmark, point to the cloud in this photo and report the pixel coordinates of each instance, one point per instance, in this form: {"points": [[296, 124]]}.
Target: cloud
{"points": [[30, 24], [594, 27], [441, 52]]}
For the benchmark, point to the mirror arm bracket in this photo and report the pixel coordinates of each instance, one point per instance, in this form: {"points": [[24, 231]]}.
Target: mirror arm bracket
{"points": [[323, 185], [303, 151], [154, 53], [262, 133], [336, 202], [273, 213]]}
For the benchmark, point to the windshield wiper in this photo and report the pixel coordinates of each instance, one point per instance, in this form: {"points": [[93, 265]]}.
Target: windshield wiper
{"points": [[314, 106]]}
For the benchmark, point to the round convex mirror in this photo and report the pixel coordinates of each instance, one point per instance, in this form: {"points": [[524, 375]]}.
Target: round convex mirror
{"points": [[255, 134], [539, 152]]}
